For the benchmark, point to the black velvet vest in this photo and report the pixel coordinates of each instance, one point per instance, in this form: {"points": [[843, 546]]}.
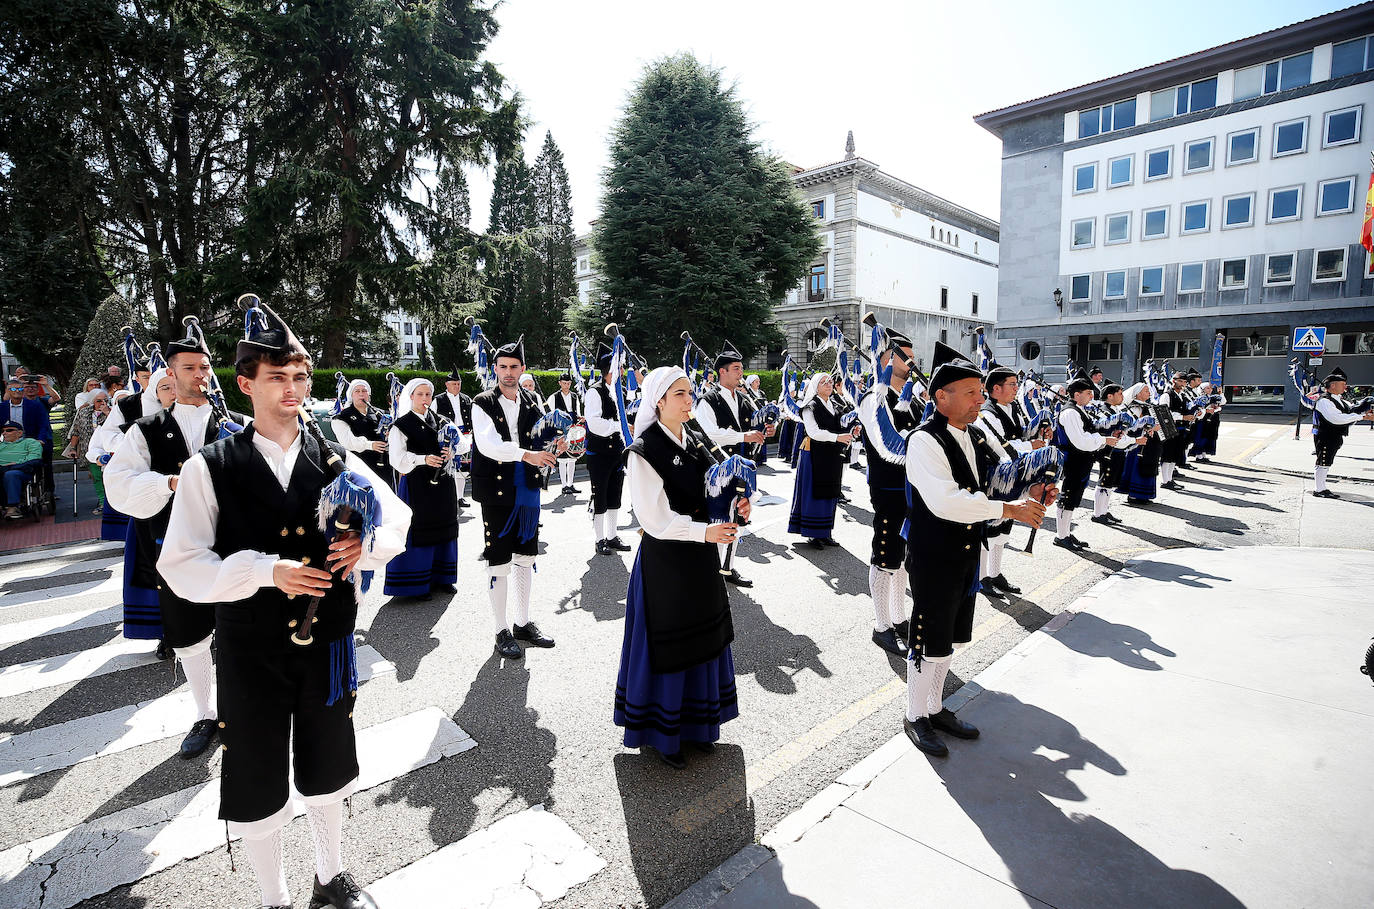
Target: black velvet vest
{"points": [[931, 540], [827, 458], [367, 426], [727, 417], [490, 477], [432, 495], [881, 474], [130, 408]]}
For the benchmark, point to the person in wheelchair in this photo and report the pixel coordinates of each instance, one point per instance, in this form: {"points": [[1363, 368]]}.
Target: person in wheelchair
{"points": [[20, 460]]}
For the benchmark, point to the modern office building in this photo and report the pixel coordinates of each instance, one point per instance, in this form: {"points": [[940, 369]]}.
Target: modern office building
{"points": [[411, 335], [1220, 192], [926, 266]]}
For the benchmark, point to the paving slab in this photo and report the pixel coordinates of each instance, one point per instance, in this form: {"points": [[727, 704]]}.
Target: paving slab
{"points": [[1355, 460]]}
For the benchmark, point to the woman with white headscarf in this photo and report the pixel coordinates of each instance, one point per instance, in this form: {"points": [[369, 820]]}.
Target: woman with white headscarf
{"points": [[820, 464], [415, 449], [1140, 470], [677, 676], [358, 428], [1207, 428], [753, 386]]}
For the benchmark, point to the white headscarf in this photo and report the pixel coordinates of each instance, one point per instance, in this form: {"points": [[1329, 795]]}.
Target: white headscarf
{"points": [[752, 380], [151, 404], [1133, 391], [812, 384], [656, 385], [404, 407], [348, 395]]}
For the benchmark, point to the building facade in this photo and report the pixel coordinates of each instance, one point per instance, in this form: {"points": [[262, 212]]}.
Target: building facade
{"points": [[1217, 193], [926, 266], [411, 335]]}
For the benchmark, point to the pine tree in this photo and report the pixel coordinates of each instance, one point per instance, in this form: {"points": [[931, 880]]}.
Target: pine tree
{"points": [[699, 229], [103, 346], [549, 269], [512, 216]]}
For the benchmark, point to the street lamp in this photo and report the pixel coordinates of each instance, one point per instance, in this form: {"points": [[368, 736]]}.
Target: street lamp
{"points": [[1059, 299]]}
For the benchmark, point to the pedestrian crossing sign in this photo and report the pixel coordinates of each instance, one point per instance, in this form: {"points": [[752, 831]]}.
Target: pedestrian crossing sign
{"points": [[1309, 338]]}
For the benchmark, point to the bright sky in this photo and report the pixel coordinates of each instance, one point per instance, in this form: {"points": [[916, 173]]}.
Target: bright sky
{"points": [[907, 76]]}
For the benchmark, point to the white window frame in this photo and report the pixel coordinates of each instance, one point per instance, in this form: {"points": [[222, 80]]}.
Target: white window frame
{"points": [[1183, 229], [1202, 287], [1345, 264], [1231, 162], [1211, 155], [1359, 125], [1248, 223], [1269, 208], [1145, 167], [1144, 213], [1073, 225], [1292, 273], [1106, 285], [1352, 181], [1107, 228], [1076, 169], [1072, 298], [1221, 275], [1130, 177], [1306, 136], [1152, 293]]}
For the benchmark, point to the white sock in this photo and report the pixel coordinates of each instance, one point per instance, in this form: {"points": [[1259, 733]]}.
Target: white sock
{"points": [[566, 466], [264, 854], [1102, 502], [995, 549], [599, 526], [985, 563], [880, 587], [919, 684], [612, 522], [1319, 479], [199, 667], [326, 826], [896, 604], [522, 579], [1063, 523], [935, 698], [1166, 471], [496, 592], [462, 486]]}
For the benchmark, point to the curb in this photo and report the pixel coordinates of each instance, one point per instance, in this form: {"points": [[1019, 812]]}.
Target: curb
{"points": [[730, 873]]}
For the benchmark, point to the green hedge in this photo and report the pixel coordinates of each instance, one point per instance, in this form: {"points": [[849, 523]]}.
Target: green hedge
{"points": [[547, 380]]}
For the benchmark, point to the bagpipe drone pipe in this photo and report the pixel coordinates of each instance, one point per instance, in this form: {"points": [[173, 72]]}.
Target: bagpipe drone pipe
{"points": [[211, 389], [729, 478]]}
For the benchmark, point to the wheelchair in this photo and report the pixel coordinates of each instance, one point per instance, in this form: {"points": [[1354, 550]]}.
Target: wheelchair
{"points": [[32, 499]]}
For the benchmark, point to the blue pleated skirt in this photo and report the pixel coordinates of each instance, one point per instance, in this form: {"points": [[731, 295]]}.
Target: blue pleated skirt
{"points": [[142, 613], [1134, 481], [662, 709], [114, 525], [811, 517], [418, 570]]}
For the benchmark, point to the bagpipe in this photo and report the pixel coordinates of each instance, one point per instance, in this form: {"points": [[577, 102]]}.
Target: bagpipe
{"points": [[211, 389], [578, 367], [729, 478], [1309, 390], [134, 353], [621, 378], [694, 363], [763, 414], [483, 353], [1041, 404], [847, 371]]}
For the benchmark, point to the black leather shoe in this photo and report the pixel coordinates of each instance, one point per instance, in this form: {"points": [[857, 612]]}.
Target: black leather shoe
{"points": [[1138, 503], [902, 629], [1113, 519], [464, 503], [1100, 519], [341, 893], [830, 541], [531, 635], [1326, 494], [888, 641], [1077, 542], [674, 760], [816, 543], [1171, 485], [1002, 584], [946, 721], [924, 737], [506, 646], [844, 499], [618, 544], [164, 651], [704, 747], [734, 577], [1069, 543], [603, 548], [198, 739], [986, 588]]}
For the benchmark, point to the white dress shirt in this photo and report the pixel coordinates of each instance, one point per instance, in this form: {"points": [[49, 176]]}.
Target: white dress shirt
{"points": [[1071, 421], [404, 460], [457, 404], [1331, 413], [105, 439], [813, 429], [650, 501], [928, 470], [706, 418], [597, 424], [195, 572], [345, 437], [131, 484], [489, 441]]}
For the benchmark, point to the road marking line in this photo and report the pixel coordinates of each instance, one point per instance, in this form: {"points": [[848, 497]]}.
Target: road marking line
{"points": [[15, 632], [64, 552], [115, 656]]}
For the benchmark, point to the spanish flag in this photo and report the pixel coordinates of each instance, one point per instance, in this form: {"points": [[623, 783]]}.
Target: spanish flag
{"points": [[1367, 231]]}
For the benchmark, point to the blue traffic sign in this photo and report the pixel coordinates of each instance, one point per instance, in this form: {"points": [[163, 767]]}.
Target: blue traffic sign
{"points": [[1309, 338]]}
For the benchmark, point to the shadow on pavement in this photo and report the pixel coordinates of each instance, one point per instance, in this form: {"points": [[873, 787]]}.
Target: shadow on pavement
{"points": [[1175, 573], [769, 652], [677, 822], [602, 587], [1008, 786], [402, 631], [1094, 636]]}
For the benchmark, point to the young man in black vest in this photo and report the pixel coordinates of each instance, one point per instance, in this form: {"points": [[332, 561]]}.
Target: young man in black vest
{"points": [[507, 475], [457, 407], [887, 494], [141, 481], [722, 413], [569, 403], [605, 458], [1004, 423], [1176, 449], [1076, 439], [1331, 421], [949, 466], [246, 535]]}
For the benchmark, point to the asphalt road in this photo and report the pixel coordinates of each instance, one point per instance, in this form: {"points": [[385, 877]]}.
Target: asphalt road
{"points": [[815, 694]]}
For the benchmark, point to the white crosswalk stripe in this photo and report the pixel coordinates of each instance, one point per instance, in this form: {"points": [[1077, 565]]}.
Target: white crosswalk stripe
{"points": [[30, 629], [60, 554], [115, 656], [45, 571]]}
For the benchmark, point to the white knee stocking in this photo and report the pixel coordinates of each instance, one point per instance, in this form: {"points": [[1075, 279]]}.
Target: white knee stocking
{"points": [[496, 592], [612, 522], [1063, 523], [920, 682], [896, 604], [462, 487], [326, 826], [599, 526], [880, 587], [1102, 502], [995, 549], [522, 579], [985, 569], [199, 667], [264, 854], [935, 698], [1319, 479], [566, 466], [1166, 471]]}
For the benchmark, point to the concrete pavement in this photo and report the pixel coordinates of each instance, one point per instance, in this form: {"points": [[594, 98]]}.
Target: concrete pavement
{"points": [[1294, 456], [1193, 731]]}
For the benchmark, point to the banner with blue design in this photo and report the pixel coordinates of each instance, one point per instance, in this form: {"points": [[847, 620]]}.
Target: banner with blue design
{"points": [[1218, 360]]}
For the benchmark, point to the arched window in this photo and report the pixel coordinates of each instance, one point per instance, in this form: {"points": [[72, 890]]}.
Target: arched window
{"points": [[932, 231], [942, 236], [956, 239], [975, 247]]}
